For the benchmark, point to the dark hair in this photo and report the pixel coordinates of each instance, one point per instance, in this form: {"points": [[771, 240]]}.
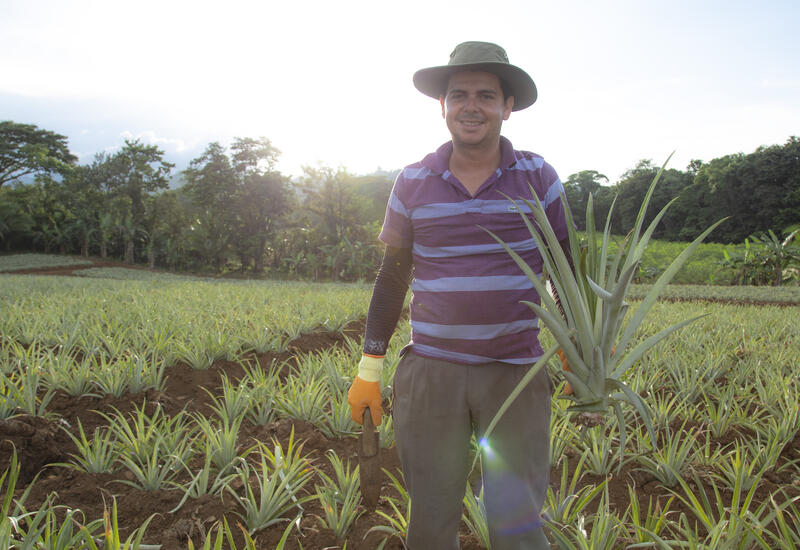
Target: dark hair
{"points": [[505, 88]]}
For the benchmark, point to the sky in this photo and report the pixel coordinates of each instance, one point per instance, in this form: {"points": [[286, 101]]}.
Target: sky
{"points": [[330, 82]]}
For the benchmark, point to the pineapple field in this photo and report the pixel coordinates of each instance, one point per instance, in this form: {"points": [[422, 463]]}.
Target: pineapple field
{"points": [[174, 412]]}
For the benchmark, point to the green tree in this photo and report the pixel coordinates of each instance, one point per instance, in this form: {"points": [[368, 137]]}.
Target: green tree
{"points": [[339, 222], [169, 225], [577, 188], [83, 195], [631, 191], [759, 191], [211, 183], [372, 191], [136, 171], [27, 150], [770, 181], [331, 211], [15, 223], [262, 200], [331, 202], [44, 203], [254, 155]]}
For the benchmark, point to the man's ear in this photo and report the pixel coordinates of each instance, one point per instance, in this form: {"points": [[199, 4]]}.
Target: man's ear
{"points": [[509, 106], [441, 102]]}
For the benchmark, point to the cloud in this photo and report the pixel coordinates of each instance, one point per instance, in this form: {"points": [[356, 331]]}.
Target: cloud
{"points": [[175, 145]]}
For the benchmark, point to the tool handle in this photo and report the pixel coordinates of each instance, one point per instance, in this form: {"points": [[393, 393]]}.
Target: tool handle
{"points": [[366, 420], [369, 439]]}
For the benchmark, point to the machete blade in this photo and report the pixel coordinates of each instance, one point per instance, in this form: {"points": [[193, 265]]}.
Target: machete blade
{"points": [[369, 462]]}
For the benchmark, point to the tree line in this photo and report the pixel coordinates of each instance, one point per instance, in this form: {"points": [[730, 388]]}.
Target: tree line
{"points": [[759, 192], [237, 212]]}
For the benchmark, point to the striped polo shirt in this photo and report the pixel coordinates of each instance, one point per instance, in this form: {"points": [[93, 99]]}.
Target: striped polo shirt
{"points": [[467, 289]]}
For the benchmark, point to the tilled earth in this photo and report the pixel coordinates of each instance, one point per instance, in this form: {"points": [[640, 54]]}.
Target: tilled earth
{"points": [[41, 442]]}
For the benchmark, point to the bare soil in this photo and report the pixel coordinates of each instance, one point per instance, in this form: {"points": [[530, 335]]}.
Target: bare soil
{"points": [[71, 270]]}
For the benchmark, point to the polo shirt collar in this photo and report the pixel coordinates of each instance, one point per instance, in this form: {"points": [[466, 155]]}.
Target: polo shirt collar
{"points": [[439, 161]]}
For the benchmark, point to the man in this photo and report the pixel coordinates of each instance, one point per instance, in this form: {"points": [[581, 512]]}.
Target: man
{"points": [[472, 340]]}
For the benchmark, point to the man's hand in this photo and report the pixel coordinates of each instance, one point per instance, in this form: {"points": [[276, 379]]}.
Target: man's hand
{"points": [[565, 366], [364, 394]]}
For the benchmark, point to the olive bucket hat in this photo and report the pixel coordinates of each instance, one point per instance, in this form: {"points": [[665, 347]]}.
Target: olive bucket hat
{"points": [[478, 56]]}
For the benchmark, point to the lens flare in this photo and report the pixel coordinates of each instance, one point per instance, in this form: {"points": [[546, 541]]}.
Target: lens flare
{"points": [[487, 450]]}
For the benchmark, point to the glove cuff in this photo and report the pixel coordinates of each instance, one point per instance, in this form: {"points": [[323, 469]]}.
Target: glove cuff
{"points": [[369, 368]]}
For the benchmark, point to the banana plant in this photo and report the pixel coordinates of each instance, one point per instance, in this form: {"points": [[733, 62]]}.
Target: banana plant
{"points": [[598, 345]]}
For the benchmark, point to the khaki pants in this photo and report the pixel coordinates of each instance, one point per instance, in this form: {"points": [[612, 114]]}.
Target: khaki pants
{"points": [[437, 406]]}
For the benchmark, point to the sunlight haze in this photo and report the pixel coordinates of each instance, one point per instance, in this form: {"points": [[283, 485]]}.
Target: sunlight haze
{"points": [[331, 82]]}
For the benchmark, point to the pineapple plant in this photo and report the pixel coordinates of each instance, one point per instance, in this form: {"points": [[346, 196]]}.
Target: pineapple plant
{"points": [[591, 333]]}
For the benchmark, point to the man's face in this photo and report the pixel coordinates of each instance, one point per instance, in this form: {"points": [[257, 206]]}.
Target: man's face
{"points": [[474, 108]]}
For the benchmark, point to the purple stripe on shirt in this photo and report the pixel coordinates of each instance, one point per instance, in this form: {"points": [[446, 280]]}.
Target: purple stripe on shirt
{"points": [[464, 358], [465, 250], [467, 229], [474, 265], [480, 307], [511, 346]]}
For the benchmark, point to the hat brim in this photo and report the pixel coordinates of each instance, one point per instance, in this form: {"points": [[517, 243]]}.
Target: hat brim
{"points": [[433, 81]]}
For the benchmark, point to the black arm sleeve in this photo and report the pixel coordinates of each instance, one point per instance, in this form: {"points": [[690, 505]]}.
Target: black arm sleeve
{"points": [[388, 296]]}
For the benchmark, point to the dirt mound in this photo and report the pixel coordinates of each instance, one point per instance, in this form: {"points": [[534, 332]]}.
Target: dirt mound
{"points": [[38, 442], [71, 271]]}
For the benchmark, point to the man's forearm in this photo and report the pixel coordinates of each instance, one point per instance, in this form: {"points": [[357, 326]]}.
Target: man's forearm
{"points": [[388, 296]]}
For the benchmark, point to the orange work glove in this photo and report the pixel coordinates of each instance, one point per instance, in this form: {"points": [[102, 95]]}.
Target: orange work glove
{"points": [[565, 366], [365, 391]]}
